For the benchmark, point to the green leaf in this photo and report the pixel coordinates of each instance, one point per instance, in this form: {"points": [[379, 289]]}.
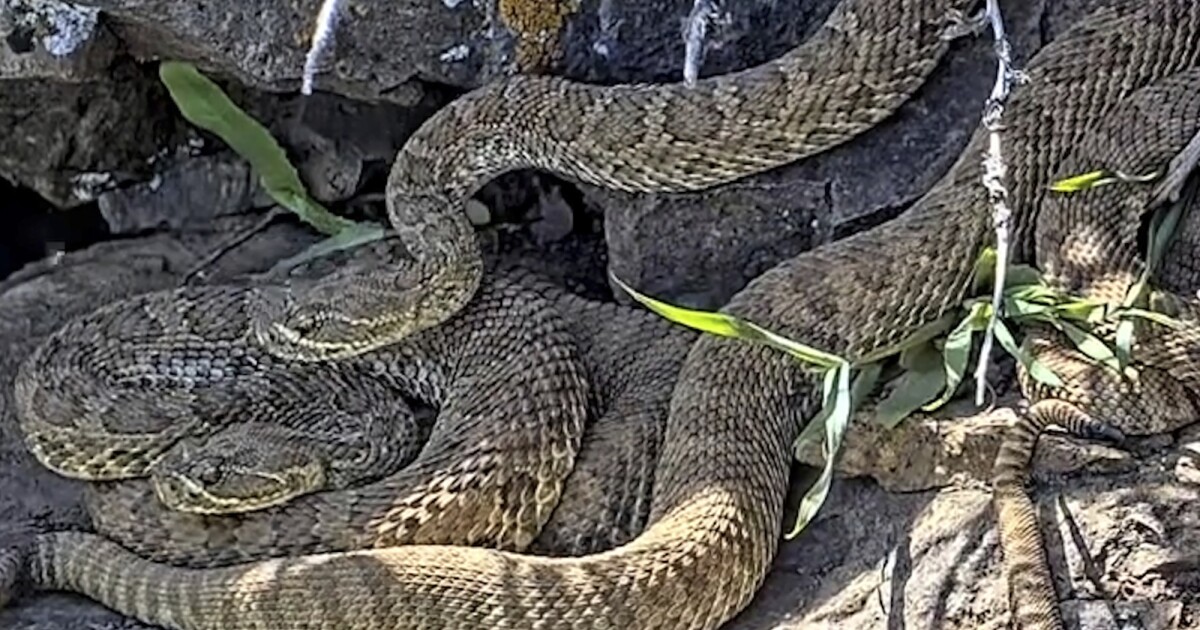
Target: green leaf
{"points": [[921, 335], [835, 417], [1084, 181], [1036, 369], [984, 273], [1162, 231], [957, 351], [1124, 343], [729, 326], [1099, 178], [864, 383], [1161, 319], [1034, 294], [1022, 309], [1080, 310], [713, 323], [921, 382], [205, 105], [350, 237], [1090, 345]]}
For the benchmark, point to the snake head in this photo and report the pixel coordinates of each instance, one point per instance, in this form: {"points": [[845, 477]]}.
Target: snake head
{"points": [[347, 313], [240, 469]]}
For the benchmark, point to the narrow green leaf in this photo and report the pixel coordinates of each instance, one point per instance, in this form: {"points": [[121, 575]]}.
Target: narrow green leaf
{"points": [[713, 323], [1124, 343], [794, 348], [1161, 319], [1084, 181], [1080, 310], [350, 237], [1036, 369], [1137, 293], [205, 105], [922, 335], [838, 401], [730, 326], [957, 351], [1137, 179], [1099, 178], [1162, 231], [1021, 309], [984, 273], [1090, 345], [864, 383], [1034, 294]]}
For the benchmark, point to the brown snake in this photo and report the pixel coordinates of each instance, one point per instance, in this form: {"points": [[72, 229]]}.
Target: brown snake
{"points": [[864, 62], [1089, 246], [717, 500]]}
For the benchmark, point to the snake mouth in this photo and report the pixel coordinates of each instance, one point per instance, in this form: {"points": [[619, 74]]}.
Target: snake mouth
{"points": [[240, 491], [299, 344]]}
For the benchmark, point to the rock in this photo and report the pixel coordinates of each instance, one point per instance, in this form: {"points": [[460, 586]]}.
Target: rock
{"points": [[333, 142], [875, 560], [53, 40], [382, 48], [193, 191], [477, 213], [70, 141], [380, 45], [78, 119], [955, 447]]}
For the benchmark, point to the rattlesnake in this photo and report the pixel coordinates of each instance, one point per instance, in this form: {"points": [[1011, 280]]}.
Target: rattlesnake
{"points": [[716, 506], [893, 46], [631, 358], [158, 385], [863, 63], [1099, 255], [255, 465]]}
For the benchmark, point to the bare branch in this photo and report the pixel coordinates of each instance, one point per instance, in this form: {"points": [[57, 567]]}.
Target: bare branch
{"points": [[322, 37], [994, 172], [693, 38], [1178, 171]]}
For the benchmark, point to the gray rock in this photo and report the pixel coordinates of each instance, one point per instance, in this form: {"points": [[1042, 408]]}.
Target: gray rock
{"points": [[193, 191], [381, 47], [331, 140], [53, 40], [954, 447], [874, 560], [68, 141], [76, 118]]}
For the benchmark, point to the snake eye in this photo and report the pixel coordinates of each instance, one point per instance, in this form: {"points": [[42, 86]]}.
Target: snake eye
{"points": [[207, 472], [304, 324]]}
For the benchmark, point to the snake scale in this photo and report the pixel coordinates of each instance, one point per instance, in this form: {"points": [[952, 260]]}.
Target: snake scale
{"points": [[716, 504]]}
